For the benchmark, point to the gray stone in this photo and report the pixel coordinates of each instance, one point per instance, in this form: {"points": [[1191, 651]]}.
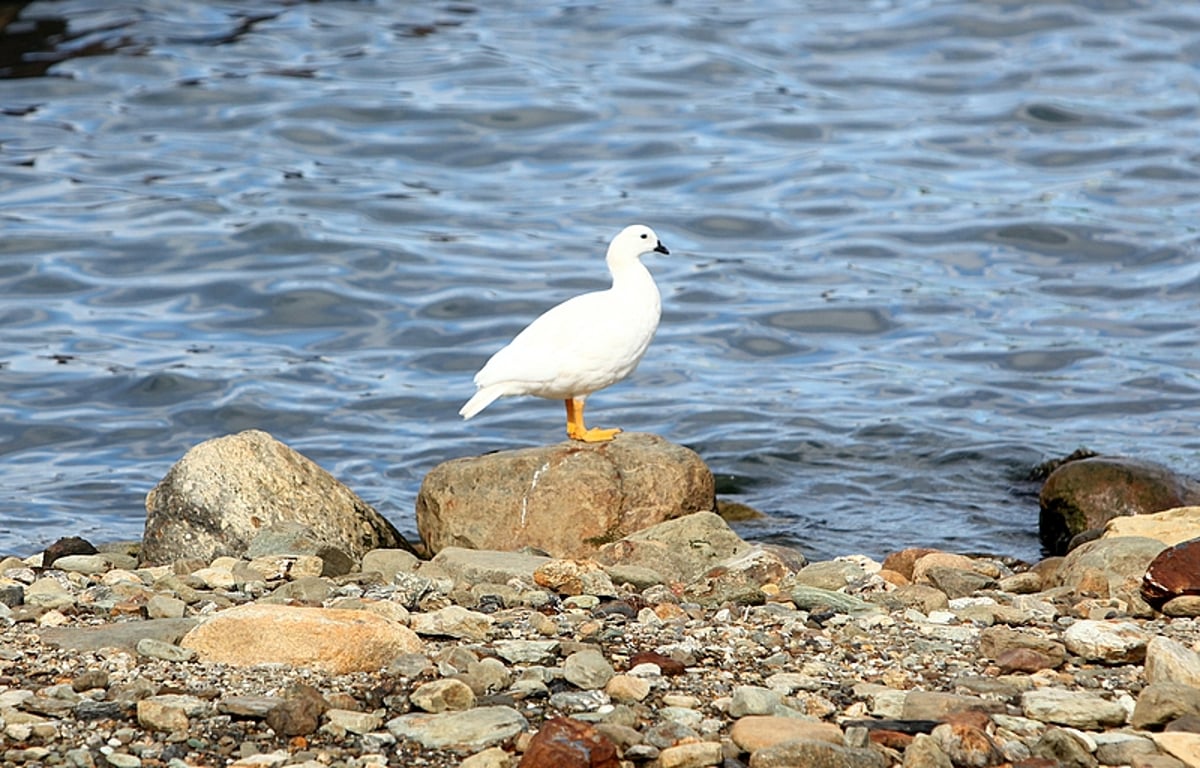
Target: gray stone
{"points": [[573, 702], [288, 537], [1116, 565], [124, 635], [1160, 703], [1076, 709], [1064, 749], [936, 705], [165, 607], [389, 562], [753, 700], [310, 590], [527, 651], [682, 549], [469, 731], [739, 580], [157, 649], [958, 582], [831, 575], [354, 722], [1169, 661], [217, 498], [814, 599], [1109, 642], [588, 670], [87, 564], [453, 621], [480, 566], [486, 676]]}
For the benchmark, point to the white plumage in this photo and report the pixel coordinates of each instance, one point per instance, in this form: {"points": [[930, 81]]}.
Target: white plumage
{"points": [[584, 344]]}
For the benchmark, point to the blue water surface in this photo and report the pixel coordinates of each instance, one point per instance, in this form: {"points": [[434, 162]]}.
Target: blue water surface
{"points": [[917, 247]]}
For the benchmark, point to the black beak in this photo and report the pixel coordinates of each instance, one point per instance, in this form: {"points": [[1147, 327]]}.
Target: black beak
{"points": [[660, 248]]}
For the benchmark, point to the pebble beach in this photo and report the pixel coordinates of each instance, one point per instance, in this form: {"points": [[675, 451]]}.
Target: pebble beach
{"points": [[926, 659]]}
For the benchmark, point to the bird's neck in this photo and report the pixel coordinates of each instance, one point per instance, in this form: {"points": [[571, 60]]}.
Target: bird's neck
{"points": [[631, 275]]}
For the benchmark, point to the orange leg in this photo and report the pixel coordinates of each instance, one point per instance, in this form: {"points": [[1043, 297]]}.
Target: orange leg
{"points": [[577, 431]]}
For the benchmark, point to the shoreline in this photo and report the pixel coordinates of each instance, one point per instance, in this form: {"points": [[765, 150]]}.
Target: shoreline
{"points": [[967, 662]]}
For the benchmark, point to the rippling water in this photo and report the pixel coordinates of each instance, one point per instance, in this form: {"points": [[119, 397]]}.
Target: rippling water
{"points": [[916, 247]]}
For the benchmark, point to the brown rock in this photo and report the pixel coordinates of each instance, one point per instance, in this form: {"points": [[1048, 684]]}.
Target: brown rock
{"points": [[336, 641], [815, 754], [1175, 572], [216, 498], [754, 732], [1084, 495], [567, 499], [996, 641], [299, 713], [967, 744], [565, 742], [668, 666], [68, 545], [935, 705], [1023, 660], [574, 577], [902, 562]]}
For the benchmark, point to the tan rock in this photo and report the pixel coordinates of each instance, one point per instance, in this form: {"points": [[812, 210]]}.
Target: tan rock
{"points": [[755, 732], [696, 754], [626, 689], [939, 560], [567, 499], [331, 640], [1171, 526], [216, 498], [1182, 745]]}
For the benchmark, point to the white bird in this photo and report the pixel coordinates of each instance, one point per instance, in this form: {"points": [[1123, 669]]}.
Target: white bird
{"points": [[583, 345]]}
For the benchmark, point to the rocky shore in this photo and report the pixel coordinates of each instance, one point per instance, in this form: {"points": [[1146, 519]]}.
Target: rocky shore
{"points": [[928, 659], [676, 646]]}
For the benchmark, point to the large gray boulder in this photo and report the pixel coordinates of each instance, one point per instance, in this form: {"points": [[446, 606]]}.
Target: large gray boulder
{"points": [[567, 499], [224, 491]]}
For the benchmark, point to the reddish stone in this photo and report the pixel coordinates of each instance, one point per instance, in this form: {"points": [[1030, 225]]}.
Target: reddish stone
{"points": [[565, 742], [1023, 660], [666, 664], [1175, 572], [891, 739], [902, 562]]}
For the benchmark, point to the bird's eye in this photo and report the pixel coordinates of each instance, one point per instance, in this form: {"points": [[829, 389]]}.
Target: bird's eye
{"points": [[644, 235]]}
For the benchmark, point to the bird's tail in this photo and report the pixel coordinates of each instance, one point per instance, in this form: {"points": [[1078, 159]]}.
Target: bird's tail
{"points": [[482, 399]]}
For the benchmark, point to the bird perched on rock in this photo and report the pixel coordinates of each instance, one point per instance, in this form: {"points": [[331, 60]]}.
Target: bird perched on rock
{"points": [[583, 345]]}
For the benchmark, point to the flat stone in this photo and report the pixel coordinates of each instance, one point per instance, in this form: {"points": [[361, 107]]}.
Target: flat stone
{"points": [[332, 640], [1075, 709], [453, 621], [87, 564], [468, 731], [157, 649], [1181, 745], [354, 722], [1108, 642], [124, 635], [815, 754], [389, 562], [527, 651], [755, 732], [682, 549], [627, 689], [574, 577]]}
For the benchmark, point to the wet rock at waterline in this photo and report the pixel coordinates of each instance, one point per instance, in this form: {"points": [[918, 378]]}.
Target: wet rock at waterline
{"points": [[1081, 496], [567, 499], [225, 491]]}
